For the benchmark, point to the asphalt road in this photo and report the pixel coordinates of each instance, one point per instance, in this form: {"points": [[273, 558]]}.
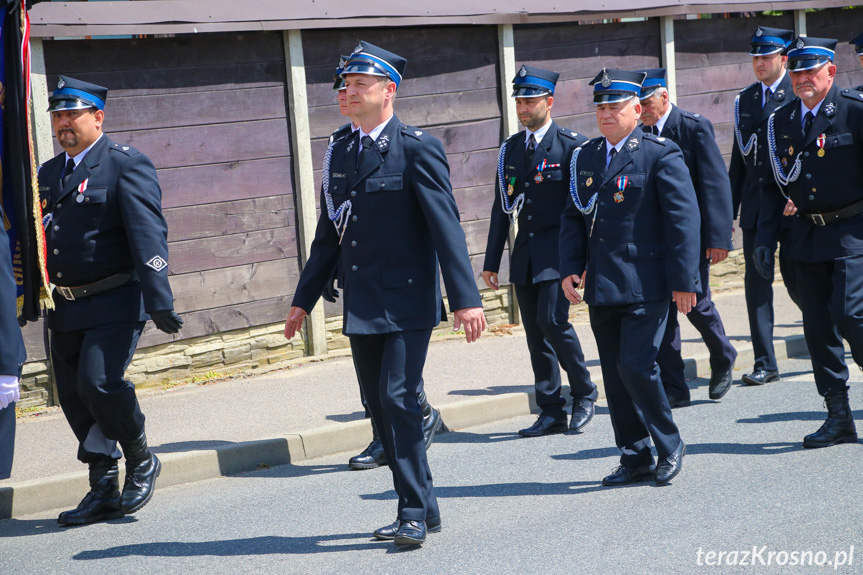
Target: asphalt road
{"points": [[511, 505]]}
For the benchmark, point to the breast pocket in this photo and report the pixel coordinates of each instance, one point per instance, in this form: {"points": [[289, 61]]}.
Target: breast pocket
{"points": [[552, 175], [338, 186], [382, 194], [89, 206], [839, 140]]}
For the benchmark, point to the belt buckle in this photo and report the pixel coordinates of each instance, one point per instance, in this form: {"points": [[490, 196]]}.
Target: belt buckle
{"points": [[66, 292], [818, 220]]}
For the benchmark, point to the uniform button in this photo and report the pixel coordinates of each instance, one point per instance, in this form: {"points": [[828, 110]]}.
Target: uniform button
{"points": [[56, 251], [59, 274], [353, 268], [759, 130], [410, 281], [602, 203], [529, 217], [760, 163], [602, 240], [353, 193], [59, 206], [56, 228], [760, 147], [530, 234], [602, 220], [527, 184], [354, 244], [811, 197], [805, 154], [353, 218], [760, 179], [808, 176], [814, 190], [86, 198], [383, 185], [529, 201]]}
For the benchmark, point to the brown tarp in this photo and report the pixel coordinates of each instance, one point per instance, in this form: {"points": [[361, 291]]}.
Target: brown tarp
{"points": [[191, 16]]}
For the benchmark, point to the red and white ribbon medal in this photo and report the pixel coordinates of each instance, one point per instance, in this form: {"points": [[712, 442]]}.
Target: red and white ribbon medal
{"points": [[622, 181], [821, 140], [81, 187]]}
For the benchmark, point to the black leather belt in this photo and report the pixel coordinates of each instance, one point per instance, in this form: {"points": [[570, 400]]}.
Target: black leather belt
{"points": [[825, 218], [115, 281]]}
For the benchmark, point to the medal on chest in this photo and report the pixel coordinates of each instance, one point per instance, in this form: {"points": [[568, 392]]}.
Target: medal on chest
{"points": [[622, 181], [821, 140], [81, 188], [510, 186]]}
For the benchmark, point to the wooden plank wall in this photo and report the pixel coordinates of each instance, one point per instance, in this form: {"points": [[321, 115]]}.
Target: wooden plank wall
{"points": [[210, 113], [449, 89], [842, 25], [713, 65], [578, 53]]}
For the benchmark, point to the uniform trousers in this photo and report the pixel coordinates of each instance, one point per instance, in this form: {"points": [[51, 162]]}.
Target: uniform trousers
{"points": [[759, 301], [389, 367], [628, 338], [99, 404], [552, 340], [705, 318], [832, 294], [7, 440]]}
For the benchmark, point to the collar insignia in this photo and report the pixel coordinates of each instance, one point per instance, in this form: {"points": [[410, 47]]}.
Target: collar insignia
{"points": [[830, 110]]}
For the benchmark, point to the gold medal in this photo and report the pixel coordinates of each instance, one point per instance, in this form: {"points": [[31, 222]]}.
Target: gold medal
{"points": [[821, 153], [589, 182], [790, 150]]}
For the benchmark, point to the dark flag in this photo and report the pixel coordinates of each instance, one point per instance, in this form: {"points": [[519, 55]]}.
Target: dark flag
{"points": [[19, 192]]}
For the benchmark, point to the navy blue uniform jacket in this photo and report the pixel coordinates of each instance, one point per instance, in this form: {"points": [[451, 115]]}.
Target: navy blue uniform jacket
{"points": [[116, 228], [11, 343], [535, 248], [693, 133], [750, 176], [827, 183], [643, 245], [404, 220]]}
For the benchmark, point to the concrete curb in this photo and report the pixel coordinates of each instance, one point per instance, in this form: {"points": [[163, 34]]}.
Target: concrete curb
{"points": [[65, 491]]}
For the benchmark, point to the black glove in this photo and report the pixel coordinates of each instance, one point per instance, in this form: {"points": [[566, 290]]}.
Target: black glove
{"points": [[330, 292], [762, 258], [167, 320], [22, 321]]}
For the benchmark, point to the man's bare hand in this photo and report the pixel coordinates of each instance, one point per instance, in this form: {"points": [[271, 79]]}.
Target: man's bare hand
{"points": [[569, 284], [294, 322], [490, 279], [716, 255], [685, 301], [473, 321], [790, 209]]}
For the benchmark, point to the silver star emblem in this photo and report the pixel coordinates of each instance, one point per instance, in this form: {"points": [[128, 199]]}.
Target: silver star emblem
{"points": [[606, 81]]}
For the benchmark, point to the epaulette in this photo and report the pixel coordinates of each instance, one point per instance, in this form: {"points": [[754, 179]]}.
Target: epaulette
{"points": [[692, 117], [855, 94], [512, 136], [341, 132], [750, 87], [127, 150], [568, 133], [413, 132], [656, 139]]}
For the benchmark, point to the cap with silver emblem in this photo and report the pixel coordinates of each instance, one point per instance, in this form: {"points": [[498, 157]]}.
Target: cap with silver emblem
{"points": [[72, 94], [653, 80], [808, 53], [370, 59], [612, 86], [532, 82], [767, 41]]}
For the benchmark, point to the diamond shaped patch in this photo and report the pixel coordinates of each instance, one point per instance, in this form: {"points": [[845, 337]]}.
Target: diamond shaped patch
{"points": [[157, 263]]}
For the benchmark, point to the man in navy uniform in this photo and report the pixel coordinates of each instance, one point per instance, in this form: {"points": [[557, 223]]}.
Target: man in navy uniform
{"points": [[693, 133], [532, 186], [857, 42], [108, 258], [12, 353], [750, 174], [628, 228], [389, 220], [374, 455], [816, 143]]}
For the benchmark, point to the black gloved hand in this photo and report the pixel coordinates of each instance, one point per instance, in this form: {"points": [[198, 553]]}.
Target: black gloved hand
{"points": [[330, 293], [22, 321], [762, 259], [167, 320]]}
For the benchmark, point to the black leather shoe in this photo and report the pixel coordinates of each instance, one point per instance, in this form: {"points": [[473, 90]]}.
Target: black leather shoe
{"points": [[432, 421], [388, 532], [760, 377], [410, 533], [668, 468], [582, 413], [103, 500], [371, 457], [624, 475], [142, 469], [839, 427], [675, 402], [545, 425], [720, 382]]}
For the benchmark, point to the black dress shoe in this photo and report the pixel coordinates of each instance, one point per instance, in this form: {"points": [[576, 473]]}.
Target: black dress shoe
{"points": [[142, 469], [103, 500], [545, 425], [410, 533], [624, 475], [675, 402], [720, 382], [668, 468], [431, 425], [371, 457], [582, 413], [760, 377], [388, 532]]}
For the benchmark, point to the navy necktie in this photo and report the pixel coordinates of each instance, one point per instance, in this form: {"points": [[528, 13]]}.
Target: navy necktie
{"points": [[67, 173], [611, 154], [768, 93], [531, 148], [365, 156], [807, 122]]}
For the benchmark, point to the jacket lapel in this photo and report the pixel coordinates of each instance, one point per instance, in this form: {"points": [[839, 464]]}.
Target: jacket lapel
{"points": [[623, 157], [672, 125], [542, 148], [823, 120], [85, 167], [377, 152]]}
